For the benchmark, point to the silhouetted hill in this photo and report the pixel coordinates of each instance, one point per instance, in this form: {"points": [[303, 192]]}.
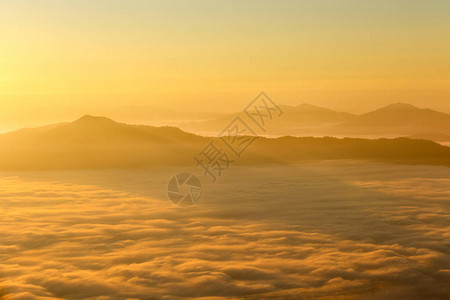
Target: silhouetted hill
{"points": [[311, 115], [436, 137], [98, 130], [95, 142], [394, 120], [398, 150], [304, 118], [98, 142], [397, 118]]}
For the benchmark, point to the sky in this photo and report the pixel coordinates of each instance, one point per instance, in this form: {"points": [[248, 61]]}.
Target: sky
{"points": [[61, 59]]}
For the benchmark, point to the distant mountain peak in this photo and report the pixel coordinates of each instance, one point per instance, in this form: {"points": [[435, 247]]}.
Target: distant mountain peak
{"points": [[89, 119], [310, 108], [400, 106], [307, 105]]}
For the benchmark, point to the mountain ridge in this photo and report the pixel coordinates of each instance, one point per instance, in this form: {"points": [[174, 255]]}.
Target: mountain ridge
{"points": [[396, 119], [99, 142]]}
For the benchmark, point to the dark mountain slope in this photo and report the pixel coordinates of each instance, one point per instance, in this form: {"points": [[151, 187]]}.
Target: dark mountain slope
{"points": [[97, 142]]}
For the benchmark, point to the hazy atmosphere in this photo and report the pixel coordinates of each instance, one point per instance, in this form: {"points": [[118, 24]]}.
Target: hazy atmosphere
{"points": [[194, 149], [63, 59]]}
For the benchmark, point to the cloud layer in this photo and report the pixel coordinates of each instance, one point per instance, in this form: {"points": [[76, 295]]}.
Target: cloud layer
{"points": [[340, 230]]}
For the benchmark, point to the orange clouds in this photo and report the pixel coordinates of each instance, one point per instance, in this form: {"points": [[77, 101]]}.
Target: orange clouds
{"points": [[315, 233]]}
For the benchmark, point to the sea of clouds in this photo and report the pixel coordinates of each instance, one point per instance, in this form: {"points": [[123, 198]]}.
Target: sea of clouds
{"points": [[316, 231]]}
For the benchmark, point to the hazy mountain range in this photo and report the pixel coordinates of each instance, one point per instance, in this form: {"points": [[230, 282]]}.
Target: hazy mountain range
{"points": [[394, 120], [99, 142]]}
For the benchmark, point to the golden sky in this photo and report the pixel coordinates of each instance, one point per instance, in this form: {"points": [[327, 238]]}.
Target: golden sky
{"points": [[64, 58]]}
